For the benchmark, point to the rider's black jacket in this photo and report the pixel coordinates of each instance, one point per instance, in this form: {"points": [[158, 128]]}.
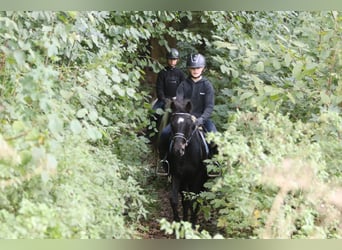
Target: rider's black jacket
{"points": [[201, 94], [168, 80]]}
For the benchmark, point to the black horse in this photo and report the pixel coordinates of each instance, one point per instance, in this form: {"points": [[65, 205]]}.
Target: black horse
{"points": [[186, 161]]}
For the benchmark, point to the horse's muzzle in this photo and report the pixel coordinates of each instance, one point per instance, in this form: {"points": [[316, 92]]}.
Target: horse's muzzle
{"points": [[179, 149]]}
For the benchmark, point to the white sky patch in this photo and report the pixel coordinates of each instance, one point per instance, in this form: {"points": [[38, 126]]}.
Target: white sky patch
{"points": [[180, 120]]}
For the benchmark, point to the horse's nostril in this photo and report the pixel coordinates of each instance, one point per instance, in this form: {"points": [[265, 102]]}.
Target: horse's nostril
{"points": [[179, 149], [182, 151]]}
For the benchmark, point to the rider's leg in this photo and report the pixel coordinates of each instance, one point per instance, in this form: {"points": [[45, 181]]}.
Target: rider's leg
{"points": [[213, 150], [210, 127], [164, 141], [160, 104], [164, 144]]}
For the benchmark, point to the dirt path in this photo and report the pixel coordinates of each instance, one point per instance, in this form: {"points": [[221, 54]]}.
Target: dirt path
{"points": [[161, 209]]}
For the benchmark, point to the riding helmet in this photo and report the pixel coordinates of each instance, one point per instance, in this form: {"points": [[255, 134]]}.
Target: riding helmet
{"points": [[172, 54], [195, 61]]}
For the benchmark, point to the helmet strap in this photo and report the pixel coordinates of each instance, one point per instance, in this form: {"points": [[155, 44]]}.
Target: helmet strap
{"points": [[196, 79]]}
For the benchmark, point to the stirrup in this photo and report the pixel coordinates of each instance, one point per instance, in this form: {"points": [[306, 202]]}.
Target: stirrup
{"points": [[160, 168], [214, 174]]}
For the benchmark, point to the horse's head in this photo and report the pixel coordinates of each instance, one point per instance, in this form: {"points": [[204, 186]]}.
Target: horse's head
{"points": [[182, 125]]}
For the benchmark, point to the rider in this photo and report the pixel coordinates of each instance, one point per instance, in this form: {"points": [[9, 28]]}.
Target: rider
{"points": [[168, 79], [200, 91]]}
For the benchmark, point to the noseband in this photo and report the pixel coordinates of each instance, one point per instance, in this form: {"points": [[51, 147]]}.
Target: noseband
{"points": [[181, 135]]}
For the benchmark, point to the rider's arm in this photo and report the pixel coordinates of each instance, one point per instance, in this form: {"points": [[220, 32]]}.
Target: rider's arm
{"points": [[209, 101], [160, 87]]}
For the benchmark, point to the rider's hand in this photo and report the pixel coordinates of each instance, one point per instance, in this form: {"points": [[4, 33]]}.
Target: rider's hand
{"points": [[199, 121], [167, 101]]}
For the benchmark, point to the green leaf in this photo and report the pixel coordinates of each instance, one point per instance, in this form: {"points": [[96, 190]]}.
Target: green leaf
{"points": [[103, 121], [93, 115], [19, 57], [259, 67], [227, 45], [55, 124], [290, 96], [246, 95], [76, 126], [276, 64], [224, 69], [297, 70], [51, 162], [325, 99], [287, 60], [117, 88], [235, 73], [299, 44], [130, 92], [52, 48], [93, 133], [81, 113]]}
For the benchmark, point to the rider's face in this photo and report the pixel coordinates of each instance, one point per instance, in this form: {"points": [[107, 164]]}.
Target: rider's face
{"points": [[172, 62], [196, 72]]}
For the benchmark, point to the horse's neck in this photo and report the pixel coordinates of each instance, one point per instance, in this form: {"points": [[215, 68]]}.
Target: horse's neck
{"points": [[198, 140]]}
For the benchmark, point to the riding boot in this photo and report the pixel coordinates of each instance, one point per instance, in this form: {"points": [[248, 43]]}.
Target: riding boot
{"points": [[163, 168], [213, 150]]}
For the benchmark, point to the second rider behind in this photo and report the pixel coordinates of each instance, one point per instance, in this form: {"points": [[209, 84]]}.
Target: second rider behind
{"points": [[168, 80]]}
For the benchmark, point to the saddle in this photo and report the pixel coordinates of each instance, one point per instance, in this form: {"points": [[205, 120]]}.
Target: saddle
{"points": [[204, 142]]}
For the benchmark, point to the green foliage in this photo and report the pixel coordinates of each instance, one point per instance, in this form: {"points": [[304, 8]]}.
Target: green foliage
{"points": [[265, 158], [279, 60], [184, 230], [67, 99], [74, 105]]}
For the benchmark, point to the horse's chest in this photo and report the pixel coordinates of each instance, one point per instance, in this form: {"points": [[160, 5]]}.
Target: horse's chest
{"points": [[186, 168]]}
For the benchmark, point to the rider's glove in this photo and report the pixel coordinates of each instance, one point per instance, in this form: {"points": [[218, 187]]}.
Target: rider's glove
{"points": [[199, 121]]}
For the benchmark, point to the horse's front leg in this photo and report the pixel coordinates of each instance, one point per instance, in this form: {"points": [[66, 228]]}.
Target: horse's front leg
{"points": [[174, 197]]}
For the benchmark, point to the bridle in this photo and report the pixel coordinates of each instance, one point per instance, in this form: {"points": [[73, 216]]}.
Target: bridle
{"points": [[182, 135]]}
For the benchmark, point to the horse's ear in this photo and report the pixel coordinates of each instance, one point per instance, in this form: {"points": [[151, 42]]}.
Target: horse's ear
{"points": [[188, 106]]}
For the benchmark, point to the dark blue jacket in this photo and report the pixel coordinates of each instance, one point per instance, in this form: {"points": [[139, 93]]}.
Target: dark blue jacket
{"points": [[201, 94]]}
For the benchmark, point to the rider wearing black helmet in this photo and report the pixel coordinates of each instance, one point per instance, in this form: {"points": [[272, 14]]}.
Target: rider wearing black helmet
{"points": [[168, 79], [199, 90]]}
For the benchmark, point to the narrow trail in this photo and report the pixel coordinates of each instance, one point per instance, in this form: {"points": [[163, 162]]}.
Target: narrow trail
{"points": [[158, 189], [161, 209]]}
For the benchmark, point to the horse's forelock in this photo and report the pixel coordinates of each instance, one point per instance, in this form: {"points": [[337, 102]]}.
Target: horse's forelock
{"points": [[181, 106]]}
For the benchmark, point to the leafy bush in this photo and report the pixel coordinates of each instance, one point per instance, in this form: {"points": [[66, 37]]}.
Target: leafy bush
{"points": [[74, 105], [276, 179], [66, 101]]}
